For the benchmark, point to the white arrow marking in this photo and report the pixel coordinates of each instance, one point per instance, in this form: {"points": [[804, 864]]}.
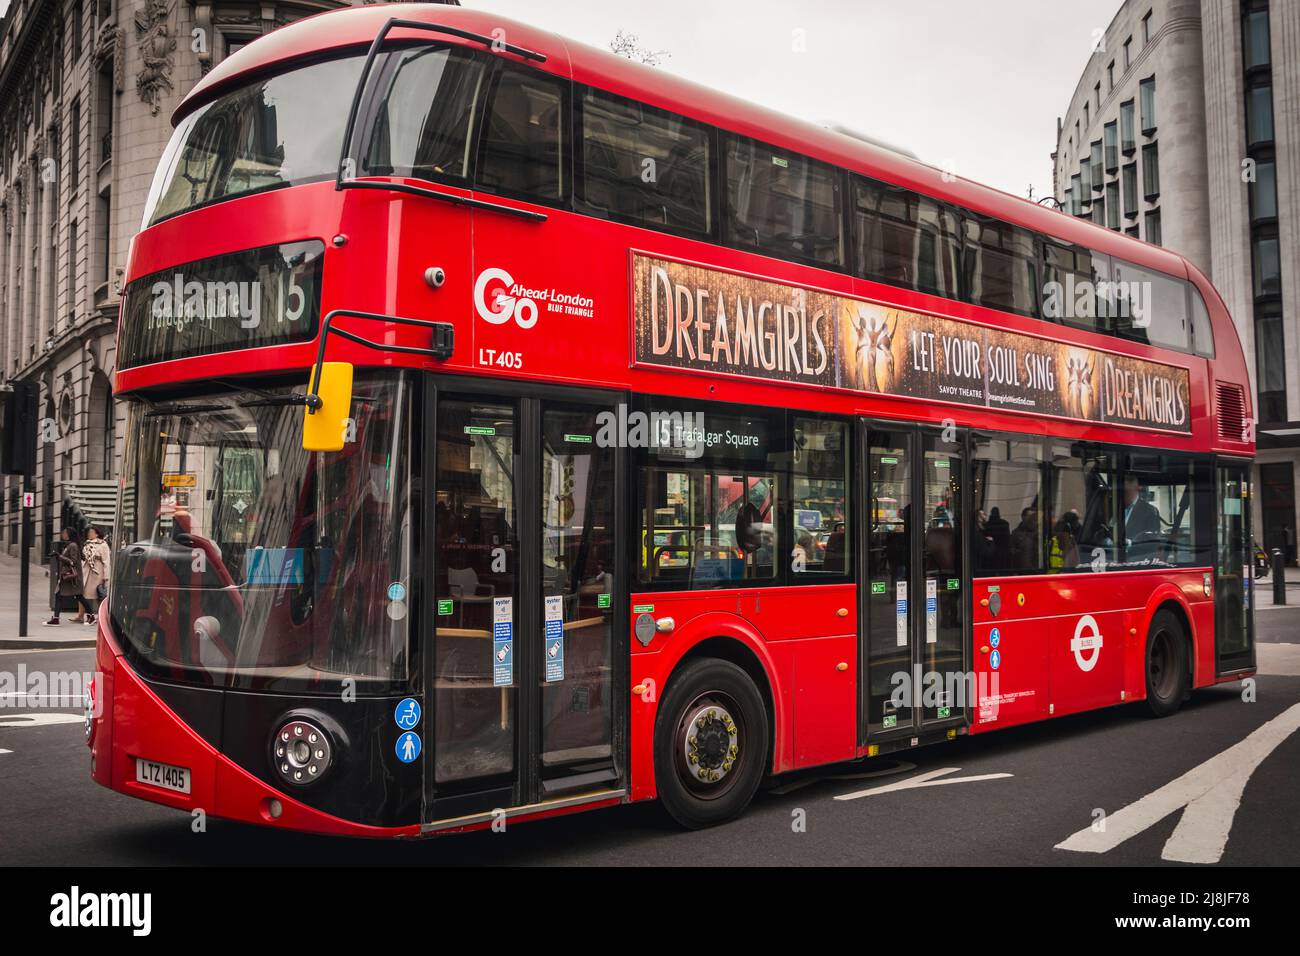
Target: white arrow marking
{"points": [[39, 720], [3, 751], [1211, 793], [926, 779]]}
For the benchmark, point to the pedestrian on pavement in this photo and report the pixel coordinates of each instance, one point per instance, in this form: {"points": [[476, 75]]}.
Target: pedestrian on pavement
{"points": [[95, 558], [68, 565]]}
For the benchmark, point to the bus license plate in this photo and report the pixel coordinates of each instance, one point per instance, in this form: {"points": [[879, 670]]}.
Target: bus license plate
{"points": [[162, 775]]}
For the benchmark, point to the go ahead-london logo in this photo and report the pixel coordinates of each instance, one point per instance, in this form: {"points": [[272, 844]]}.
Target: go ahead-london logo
{"points": [[498, 298]]}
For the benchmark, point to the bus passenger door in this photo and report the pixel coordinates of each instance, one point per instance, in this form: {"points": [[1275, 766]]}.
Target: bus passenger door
{"points": [[523, 686], [1234, 602], [915, 584]]}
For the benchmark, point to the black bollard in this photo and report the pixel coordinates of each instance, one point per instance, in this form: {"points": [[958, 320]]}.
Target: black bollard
{"points": [[1279, 577]]}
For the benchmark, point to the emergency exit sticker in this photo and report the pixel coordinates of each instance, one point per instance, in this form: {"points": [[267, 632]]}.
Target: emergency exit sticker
{"points": [[554, 652], [503, 634]]}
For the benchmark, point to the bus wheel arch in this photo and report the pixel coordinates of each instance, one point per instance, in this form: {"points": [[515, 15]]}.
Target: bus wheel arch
{"points": [[714, 732], [1168, 658]]}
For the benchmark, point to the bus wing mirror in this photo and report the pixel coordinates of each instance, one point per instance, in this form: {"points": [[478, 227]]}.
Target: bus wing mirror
{"points": [[324, 427]]}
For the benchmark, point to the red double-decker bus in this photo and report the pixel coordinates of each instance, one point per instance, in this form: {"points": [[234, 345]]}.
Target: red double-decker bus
{"points": [[516, 429]]}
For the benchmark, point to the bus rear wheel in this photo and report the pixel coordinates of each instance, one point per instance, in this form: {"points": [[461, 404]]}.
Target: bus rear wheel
{"points": [[1168, 669], [711, 743]]}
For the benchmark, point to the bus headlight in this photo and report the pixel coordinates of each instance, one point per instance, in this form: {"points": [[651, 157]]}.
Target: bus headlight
{"points": [[301, 751]]}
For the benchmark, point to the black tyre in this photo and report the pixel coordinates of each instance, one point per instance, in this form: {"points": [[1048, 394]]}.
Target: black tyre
{"points": [[711, 743], [1168, 668]]}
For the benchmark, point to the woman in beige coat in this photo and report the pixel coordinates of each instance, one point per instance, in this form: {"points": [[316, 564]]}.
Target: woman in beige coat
{"points": [[94, 558]]}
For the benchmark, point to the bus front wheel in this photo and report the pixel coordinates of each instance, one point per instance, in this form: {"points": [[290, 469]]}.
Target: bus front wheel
{"points": [[711, 743], [1168, 669]]}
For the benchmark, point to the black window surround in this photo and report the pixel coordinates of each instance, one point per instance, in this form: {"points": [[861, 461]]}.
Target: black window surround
{"points": [[571, 201]]}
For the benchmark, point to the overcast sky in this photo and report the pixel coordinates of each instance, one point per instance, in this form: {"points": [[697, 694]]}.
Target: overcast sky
{"points": [[974, 85], [977, 85]]}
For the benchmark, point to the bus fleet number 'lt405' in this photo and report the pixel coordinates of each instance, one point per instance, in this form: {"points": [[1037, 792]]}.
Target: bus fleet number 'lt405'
{"points": [[500, 359]]}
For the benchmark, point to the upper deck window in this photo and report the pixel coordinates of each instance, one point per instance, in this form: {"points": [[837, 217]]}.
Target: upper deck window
{"points": [[905, 239], [644, 166], [782, 203], [281, 130], [1001, 263], [523, 143], [420, 124]]}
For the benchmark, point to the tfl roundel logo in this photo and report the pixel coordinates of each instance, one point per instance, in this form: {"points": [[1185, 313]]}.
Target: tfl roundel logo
{"points": [[495, 304], [1087, 643]]}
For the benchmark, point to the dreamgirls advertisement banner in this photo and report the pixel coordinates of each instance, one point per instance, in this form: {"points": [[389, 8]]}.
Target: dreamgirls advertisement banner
{"points": [[691, 317]]}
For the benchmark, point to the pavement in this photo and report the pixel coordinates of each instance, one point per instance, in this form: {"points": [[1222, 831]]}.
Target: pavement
{"points": [[1216, 783], [65, 635]]}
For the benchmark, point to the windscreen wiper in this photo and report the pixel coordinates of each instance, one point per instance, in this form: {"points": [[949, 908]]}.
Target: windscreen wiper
{"points": [[180, 408]]}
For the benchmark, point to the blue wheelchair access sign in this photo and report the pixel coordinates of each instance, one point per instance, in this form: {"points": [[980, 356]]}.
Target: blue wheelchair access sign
{"points": [[407, 714], [995, 637], [408, 746]]}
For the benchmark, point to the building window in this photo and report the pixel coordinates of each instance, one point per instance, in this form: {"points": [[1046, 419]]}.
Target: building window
{"points": [[1130, 178], [1110, 76], [1099, 211], [1134, 230], [1255, 39], [1094, 160], [1151, 170], [74, 148], [1127, 129], [1153, 227], [72, 271], [1112, 204], [1111, 134], [1268, 267], [1076, 193], [1270, 363], [76, 29], [1146, 29], [1263, 192], [1096, 90], [1085, 178], [1259, 115], [1128, 53], [1147, 94]]}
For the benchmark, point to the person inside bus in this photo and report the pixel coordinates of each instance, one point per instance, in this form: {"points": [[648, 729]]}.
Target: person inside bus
{"points": [[1062, 546], [1142, 523], [834, 556], [1024, 541], [982, 547], [999, 532]]}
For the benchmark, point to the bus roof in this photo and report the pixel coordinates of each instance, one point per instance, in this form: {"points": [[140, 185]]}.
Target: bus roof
{"points": [[357, 27]]}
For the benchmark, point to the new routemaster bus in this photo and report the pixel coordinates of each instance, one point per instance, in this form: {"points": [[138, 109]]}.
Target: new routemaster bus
{"points": [[516, 429]]}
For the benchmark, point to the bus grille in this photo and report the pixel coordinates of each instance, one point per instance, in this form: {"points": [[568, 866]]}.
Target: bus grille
{"points": [[1232, 413]]}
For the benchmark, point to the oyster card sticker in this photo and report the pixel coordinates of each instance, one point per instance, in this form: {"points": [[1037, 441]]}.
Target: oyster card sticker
{"points": [[503, 639], [715, 322], [931, 611], [554, 651], [901, 612]]}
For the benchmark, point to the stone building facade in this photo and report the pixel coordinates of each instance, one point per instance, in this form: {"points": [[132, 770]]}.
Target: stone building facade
{"points": [[1184, 130], [87, 88]]}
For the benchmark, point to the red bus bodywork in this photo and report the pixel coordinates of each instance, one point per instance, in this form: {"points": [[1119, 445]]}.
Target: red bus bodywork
{"points": [[378, 247]]}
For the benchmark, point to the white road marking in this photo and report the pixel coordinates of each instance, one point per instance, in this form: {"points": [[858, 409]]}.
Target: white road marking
{"points": [[3, 751], [1211, 793], [38, 720], [903, 767], [926, 779]]}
